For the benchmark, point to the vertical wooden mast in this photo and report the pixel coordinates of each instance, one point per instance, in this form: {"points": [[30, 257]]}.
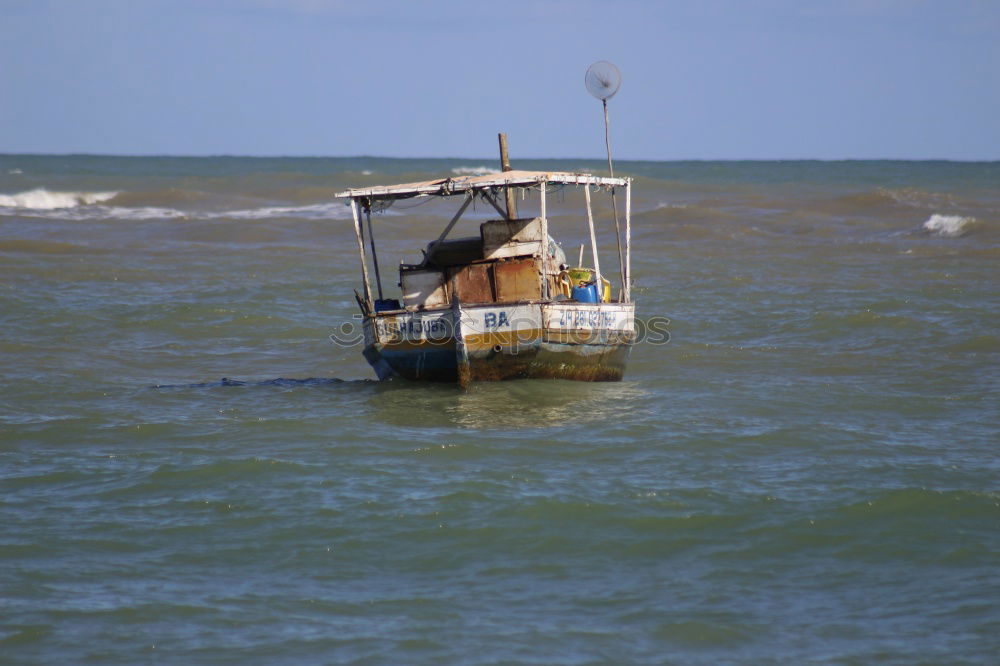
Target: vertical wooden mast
{"points": [[505, 165]]}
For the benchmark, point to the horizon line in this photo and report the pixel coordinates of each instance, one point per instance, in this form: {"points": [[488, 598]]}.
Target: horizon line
{"points": [[492, 158]]}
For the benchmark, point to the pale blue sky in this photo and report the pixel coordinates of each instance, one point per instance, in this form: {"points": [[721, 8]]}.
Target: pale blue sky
{"points": [[708, 79]]}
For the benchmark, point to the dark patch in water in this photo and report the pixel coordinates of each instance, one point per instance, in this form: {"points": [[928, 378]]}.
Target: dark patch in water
{"points": [[280, 381]]}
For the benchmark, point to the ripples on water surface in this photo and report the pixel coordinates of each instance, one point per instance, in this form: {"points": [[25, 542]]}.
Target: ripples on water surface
{"points": [[805, 474]]}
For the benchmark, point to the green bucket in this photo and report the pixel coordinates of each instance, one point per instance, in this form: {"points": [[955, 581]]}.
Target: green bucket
{"points": [[580, 275]]}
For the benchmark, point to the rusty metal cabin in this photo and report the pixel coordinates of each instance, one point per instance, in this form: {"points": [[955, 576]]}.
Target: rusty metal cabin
{"points": [[502, 304]]}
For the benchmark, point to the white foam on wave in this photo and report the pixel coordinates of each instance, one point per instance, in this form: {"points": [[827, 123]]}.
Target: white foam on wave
{"points": [[916, 198], [44, 203], [473, 170], [311, 212], [41, 202], [948, 225], [143, 213], [42, 199], [83, 213]]}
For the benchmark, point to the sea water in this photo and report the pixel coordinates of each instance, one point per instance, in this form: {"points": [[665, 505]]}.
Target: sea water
{"points": [[803, 471]]}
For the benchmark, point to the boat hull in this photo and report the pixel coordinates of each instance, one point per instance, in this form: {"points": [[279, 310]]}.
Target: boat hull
{"points": [[577, 341]]}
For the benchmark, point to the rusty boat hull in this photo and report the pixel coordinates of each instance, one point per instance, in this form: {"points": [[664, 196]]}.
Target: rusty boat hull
{"points": [[491, 342]]}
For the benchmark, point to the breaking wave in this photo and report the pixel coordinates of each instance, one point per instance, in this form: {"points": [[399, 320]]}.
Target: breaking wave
{"points": [[474, 170], [108, 205], [917, 198], [905, 197], [42, 199], [94, 212], [313, 212], [948, 225]]}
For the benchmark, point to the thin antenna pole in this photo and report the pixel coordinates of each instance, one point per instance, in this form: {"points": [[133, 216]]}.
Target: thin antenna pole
{"points": [[607, 137], [614, 203]]}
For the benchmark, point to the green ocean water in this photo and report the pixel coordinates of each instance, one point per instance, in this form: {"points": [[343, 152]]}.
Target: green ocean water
{"points": [[192, 472]]}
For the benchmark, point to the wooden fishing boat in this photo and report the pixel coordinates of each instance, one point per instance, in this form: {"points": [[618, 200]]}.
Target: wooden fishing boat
{"points": [[502, 304]]}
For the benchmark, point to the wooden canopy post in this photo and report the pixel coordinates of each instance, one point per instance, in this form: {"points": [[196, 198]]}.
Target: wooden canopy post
{"points": [[371, 241], [545, 244], [505, 165], [361, 253], [628, 241], [593, 246]]}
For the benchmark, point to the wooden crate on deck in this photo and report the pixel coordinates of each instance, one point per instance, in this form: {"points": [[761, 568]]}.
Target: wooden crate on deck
{"points": [[472, 283], [517, 280]]}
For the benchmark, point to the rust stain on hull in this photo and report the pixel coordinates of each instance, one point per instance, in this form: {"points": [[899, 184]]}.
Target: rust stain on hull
{"points": [[590, 363], [595, 364], [582, 343]]}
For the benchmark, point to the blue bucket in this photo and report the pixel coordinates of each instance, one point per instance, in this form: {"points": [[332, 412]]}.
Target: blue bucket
{"points": [[383, 304], [585, 294]]}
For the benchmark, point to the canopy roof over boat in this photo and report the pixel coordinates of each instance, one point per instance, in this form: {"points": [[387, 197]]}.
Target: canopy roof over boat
{"points": [[463, 184]]}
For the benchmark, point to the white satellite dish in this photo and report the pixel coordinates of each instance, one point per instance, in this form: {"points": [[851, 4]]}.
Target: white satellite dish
{"points": [[603, 80]]}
